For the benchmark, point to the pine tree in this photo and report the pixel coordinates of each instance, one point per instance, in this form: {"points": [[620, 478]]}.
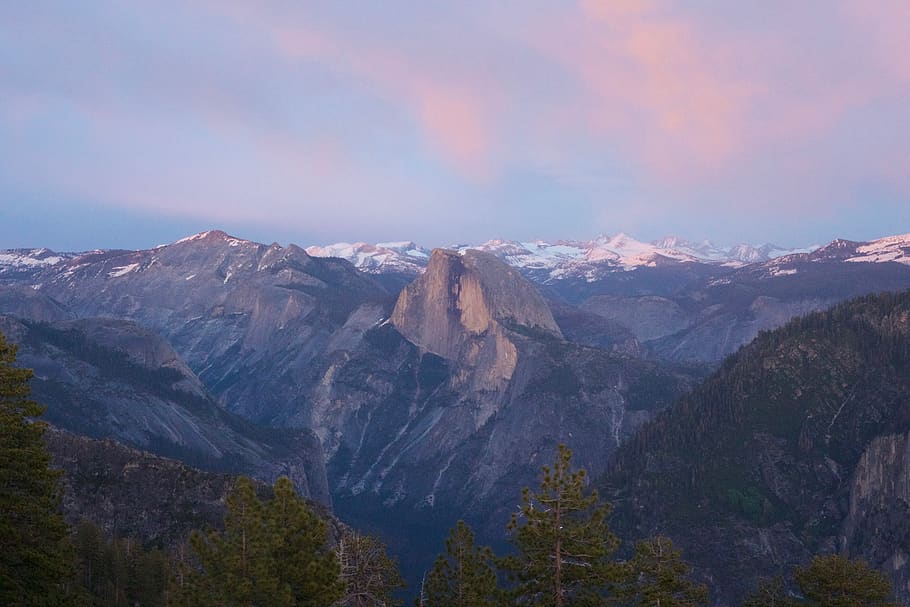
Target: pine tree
{"points": [[302, 557], [563, 542], [369, 574], [89, 543], [657, 575], [464, 576], [834, 581], [268, 555], [770, 593], [35, 566]]}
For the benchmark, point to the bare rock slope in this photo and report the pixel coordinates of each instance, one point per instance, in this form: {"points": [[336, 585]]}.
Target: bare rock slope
{"points": [[109, 378]]}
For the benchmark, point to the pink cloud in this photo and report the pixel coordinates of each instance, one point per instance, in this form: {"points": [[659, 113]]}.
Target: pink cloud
{"points": [[668, 102], [696, 100], [884, 25], [651, 83], [690, 98], [451, 110]]}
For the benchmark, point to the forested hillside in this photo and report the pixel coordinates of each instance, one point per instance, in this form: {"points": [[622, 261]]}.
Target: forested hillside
{"points": [[795, 446]]}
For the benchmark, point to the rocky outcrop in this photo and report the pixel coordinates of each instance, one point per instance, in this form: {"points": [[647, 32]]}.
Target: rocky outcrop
{"points": [[462, 308], [877, 526], [466, 293]]}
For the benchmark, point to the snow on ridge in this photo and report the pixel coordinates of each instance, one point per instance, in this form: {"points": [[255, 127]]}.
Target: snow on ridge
{"points": [[123, 270], [231, 240], [198, 236], [403, 256], [889, 249], [586, 259], [34, 258]]}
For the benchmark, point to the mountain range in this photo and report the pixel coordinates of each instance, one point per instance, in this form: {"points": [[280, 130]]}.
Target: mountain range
{"points": [[559, 260], [410, 396]]}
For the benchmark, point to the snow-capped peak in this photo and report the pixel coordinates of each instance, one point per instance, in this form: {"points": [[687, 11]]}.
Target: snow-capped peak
{"points": [[403, 256], [214, 235], [588, 260]]}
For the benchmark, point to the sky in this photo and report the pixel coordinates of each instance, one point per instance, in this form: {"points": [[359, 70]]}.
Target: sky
{"points": [[130, 124]]}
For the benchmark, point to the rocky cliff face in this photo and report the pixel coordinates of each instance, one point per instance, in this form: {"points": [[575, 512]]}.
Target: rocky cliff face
{"points": [[686, 302], [446, 410], [112, 379], [461, 309], [877, 526]]}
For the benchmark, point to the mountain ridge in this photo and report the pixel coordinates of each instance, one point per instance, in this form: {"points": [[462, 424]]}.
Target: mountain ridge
{"points": [[543, 261], [795, 446]]}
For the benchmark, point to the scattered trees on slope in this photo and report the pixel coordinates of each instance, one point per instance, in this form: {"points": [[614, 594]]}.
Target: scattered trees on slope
{"points": [[564, 555], [118, 572], [835, 581]]}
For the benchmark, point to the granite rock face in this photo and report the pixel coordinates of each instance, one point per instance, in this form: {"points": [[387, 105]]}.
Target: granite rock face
{"points": [[467, 293], [461, 309], [248, 318], [877, 525], [443, 406], [110, 378]]}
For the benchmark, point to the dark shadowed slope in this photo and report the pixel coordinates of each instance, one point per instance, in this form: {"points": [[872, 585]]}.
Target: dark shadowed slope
{"points": [[797, 445]]}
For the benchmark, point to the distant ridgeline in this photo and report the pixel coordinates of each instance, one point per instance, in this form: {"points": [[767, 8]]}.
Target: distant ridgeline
{"points": [[797, 445]]}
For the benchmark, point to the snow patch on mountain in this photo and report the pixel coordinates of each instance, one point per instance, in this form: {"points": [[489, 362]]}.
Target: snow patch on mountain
{"points": [[30, 258], [587, 260], [123, 270], [380, 258], [591, 259], [891, 249], [213, 235]]}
